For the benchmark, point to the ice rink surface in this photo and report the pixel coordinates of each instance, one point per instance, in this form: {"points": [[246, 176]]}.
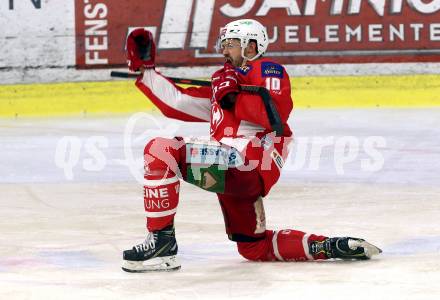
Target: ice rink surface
{"points": [[70, 204]]}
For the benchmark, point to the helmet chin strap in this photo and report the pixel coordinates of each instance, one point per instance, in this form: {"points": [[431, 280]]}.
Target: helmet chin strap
{"points": [[244, 45], [245, 60]]}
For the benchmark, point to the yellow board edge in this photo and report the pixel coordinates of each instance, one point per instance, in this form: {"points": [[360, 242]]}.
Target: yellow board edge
{"points": [[121, 97]]}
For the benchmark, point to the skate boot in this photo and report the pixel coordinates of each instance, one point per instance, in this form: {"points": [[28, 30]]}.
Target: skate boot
{"points": [[157, 253], [344, 248]]}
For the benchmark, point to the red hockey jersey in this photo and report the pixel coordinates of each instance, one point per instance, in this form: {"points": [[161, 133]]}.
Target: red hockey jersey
{"points": [[238, 126], [248, 117]]}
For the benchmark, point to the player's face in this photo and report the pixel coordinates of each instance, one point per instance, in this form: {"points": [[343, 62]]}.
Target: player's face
{"points": [[231, 50]]}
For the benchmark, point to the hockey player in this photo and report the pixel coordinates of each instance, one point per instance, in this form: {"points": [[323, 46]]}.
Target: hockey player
{"points": [[241, 160]]}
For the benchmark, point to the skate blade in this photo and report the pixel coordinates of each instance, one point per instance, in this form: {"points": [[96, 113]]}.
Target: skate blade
{"points": [[370, 250], [157, 264]]}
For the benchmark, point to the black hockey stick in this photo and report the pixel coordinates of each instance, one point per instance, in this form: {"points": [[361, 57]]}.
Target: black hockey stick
{"points": [[174, 79], [271, 110]]}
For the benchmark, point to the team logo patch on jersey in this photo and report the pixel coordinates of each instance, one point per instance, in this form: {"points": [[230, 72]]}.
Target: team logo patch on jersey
{"points": [[208, 154], [270, 69], [277, 158], [244, 69]]}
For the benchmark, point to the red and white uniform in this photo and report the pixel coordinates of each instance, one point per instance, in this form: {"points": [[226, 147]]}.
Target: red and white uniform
{"points": [[244, 127], [240, 125]]}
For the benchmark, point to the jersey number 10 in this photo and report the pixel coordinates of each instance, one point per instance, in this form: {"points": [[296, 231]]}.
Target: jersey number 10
{"points": [[273, 83]]}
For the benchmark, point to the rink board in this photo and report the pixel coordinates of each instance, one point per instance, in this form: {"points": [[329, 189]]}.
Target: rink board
{"points": [[85, 98]]}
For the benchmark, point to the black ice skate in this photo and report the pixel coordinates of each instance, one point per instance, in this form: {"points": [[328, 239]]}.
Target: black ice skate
{"points": [[157, 253], [344, 248]]}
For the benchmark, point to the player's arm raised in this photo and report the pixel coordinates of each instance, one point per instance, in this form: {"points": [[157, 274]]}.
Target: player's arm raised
{"points": [[185, 104]]}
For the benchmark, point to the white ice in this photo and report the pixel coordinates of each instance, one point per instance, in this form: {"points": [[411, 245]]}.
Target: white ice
{"points": [[62, 232]]}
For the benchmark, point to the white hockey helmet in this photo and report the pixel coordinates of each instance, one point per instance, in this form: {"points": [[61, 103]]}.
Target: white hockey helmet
{"points": [[246, 30]]}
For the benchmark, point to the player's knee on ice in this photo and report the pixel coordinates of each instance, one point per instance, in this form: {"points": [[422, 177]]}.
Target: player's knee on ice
{"points": [[258, 250]]}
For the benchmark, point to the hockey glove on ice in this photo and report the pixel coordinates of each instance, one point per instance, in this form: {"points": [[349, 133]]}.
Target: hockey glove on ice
{"points": [[141, 50], [225, 86]]}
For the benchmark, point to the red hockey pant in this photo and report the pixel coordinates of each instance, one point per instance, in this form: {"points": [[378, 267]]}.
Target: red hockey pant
{"points": [[239, 193]]}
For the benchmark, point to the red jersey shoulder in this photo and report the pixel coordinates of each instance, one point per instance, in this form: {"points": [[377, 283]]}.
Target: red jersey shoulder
{"points": [[269, 68], [262, 68], [244, 70]]}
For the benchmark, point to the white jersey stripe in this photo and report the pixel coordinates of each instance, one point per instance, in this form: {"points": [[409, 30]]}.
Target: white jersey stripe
{"points": [[159, 182], [166, 92], [249, 129], [158, 214], [305, 242], [275, 246]]}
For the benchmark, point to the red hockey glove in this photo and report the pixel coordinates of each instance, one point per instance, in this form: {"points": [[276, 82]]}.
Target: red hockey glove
{"points": [[141, 49], [224, 85]]}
